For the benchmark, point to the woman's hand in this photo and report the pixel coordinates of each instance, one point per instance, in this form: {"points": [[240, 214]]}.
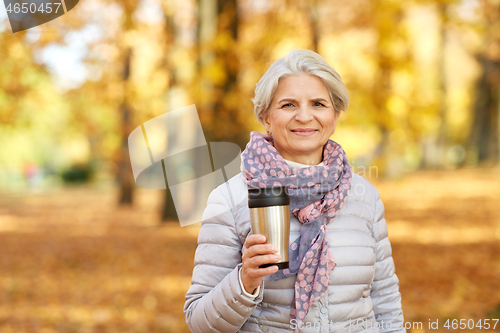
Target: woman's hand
{"points": [[257, 253]]}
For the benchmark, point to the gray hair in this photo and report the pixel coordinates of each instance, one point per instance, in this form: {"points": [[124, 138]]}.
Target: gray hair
{"points": [[299, 62]]}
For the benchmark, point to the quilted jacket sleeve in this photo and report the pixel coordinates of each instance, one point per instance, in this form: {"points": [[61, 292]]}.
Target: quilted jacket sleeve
{"points": [[385, 286], [215, 302]]}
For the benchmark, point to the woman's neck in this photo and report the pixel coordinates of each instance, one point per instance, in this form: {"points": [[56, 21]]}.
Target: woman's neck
{"points": [[301, 165]]}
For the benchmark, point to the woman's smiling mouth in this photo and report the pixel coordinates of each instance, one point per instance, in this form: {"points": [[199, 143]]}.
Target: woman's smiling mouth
{"points": [[304, 131]]}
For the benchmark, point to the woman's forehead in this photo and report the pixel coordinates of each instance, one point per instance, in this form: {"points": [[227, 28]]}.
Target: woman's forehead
{"points": [[310, 86]]}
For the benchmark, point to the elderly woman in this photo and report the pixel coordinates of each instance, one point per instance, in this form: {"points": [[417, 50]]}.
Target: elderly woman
{"points": [[341, 276]]}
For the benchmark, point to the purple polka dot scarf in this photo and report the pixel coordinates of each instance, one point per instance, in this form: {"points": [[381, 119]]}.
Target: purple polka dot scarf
{"points": [[316, 195]]}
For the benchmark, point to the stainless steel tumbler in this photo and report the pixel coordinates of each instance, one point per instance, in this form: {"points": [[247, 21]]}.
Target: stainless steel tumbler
{"points": [[269, 216]]}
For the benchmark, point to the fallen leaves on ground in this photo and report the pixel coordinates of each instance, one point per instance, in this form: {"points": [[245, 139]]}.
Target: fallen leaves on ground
{"points": [[74, 261]]}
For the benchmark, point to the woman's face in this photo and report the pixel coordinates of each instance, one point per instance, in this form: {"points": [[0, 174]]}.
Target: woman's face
{"points": [[301, 118]]}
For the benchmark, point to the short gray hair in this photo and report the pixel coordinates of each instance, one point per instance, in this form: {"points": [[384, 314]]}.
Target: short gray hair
{"points": [[299, 62]]}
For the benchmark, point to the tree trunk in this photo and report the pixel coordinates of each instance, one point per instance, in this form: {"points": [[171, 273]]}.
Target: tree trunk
{"points": [[206, 32], [218, 51], [125, 176], [484, 136], [168, 212], [442, 139], [385, 155], [224, 93], [313, 19], [484, 131]]}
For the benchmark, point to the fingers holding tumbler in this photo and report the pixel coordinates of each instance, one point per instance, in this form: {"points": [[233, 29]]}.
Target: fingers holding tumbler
{"points": [[255, 255]]}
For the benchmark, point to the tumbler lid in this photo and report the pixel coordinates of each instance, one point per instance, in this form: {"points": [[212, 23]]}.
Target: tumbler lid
{"points": [[268, 196]]}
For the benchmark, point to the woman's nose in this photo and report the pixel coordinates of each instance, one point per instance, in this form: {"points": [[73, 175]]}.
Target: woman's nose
{"points": [[303, 115]]}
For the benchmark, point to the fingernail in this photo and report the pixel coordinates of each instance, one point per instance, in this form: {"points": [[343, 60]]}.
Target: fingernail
{"points": [[278, 257]]}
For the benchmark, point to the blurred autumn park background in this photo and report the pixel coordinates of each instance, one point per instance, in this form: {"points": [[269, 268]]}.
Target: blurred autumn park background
{"points": [[83, 249]]}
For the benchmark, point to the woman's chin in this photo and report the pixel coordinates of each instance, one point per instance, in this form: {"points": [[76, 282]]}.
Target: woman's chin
{"points": [[306, 145]]}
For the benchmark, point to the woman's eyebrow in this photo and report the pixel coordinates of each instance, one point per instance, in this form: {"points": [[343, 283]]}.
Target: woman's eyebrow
{"points": [[287, 100], [320, 99]]}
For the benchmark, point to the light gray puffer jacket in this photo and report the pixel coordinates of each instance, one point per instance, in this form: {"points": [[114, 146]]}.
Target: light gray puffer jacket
{"points": [[364, 291]]}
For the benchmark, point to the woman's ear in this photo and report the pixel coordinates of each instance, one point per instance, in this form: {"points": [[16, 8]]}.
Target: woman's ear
{"points": [[337, 116], [267, 121]]}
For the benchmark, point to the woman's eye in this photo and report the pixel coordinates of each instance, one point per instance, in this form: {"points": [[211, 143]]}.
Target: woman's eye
{"points": [[287, 105], [318, 104]]}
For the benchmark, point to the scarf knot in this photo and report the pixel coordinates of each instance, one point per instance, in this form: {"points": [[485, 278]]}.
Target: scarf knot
{"points": [[316, 195]]}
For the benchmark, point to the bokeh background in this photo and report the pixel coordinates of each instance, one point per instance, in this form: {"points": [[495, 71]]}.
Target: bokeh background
{"points": [[83, 249]]}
